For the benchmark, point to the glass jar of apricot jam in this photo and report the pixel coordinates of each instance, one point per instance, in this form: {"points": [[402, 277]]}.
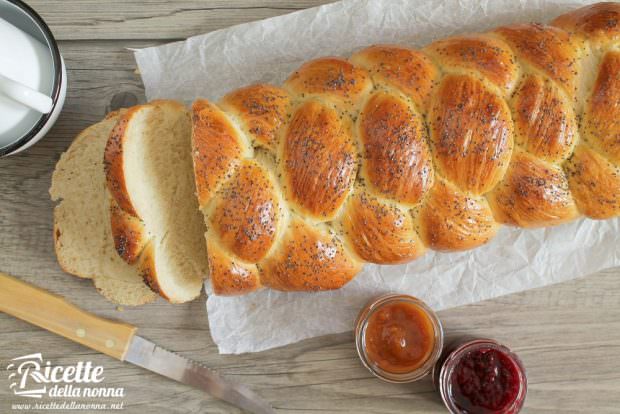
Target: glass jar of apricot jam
{"points": [[480, 376], [398, 338]]}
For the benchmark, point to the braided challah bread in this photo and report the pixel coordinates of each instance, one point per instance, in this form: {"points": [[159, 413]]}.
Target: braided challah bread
{"points": [[394, 151]]}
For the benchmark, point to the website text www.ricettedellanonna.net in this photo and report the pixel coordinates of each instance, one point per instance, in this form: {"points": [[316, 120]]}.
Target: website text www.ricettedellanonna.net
{"points": [[67, 405]]}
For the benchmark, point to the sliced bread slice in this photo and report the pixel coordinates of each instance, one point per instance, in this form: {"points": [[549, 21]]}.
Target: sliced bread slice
{"points": [[82, 234], [156, 222]]}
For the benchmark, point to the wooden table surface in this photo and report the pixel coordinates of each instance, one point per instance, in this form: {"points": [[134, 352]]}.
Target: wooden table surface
{"points": [[568, 335]]}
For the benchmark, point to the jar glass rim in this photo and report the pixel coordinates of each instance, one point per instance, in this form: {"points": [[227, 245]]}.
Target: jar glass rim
{"points": [[360, 338]]}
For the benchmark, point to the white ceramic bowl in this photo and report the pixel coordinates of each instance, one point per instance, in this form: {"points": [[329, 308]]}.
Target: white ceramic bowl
{"points": [[25, 18]]}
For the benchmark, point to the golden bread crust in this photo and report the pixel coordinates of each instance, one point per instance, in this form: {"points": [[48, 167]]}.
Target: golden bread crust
{"points": [[127, 232], [598, 23], [396, 158], [263, 109], [471, 133], [230, 276], [549, 49], [453, 221], [217, 149], [489, 56], [544, 120], [332, 78], [533, 194], [318, 160], [602, 116], [595, 183], [406, 69], [380, 232], [113, 161], [309, 259], [247, 213]]}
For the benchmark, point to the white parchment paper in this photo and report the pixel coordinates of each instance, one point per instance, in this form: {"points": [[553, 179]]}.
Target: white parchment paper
{"points": [[267, 51]]}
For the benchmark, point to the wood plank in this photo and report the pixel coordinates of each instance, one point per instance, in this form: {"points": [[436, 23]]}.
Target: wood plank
{"points": [[154, 19], [568, 335], [102, 55]]}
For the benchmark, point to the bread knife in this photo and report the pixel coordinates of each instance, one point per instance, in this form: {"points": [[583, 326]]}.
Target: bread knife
{"points": [[118, 340]]}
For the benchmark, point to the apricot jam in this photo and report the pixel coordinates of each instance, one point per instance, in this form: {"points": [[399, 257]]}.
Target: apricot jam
{"points": [[398, 338], [481, 377]]}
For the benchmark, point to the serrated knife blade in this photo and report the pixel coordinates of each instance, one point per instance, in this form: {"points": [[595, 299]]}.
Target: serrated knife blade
{"points": [[148, 355]]}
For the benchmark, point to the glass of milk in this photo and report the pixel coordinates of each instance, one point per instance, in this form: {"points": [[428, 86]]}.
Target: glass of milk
{"points": [[32, 77]]}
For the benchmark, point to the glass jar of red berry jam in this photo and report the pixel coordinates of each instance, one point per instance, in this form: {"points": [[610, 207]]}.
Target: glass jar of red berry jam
{"points": [[480, 376], [398, 338]]}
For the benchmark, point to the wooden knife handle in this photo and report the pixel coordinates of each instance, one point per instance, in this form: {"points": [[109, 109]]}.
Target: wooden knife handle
{"points": [[48, 311]]}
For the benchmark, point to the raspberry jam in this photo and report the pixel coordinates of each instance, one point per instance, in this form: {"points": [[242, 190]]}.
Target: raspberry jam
{"points": [[481, 377], [398, 338]]}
